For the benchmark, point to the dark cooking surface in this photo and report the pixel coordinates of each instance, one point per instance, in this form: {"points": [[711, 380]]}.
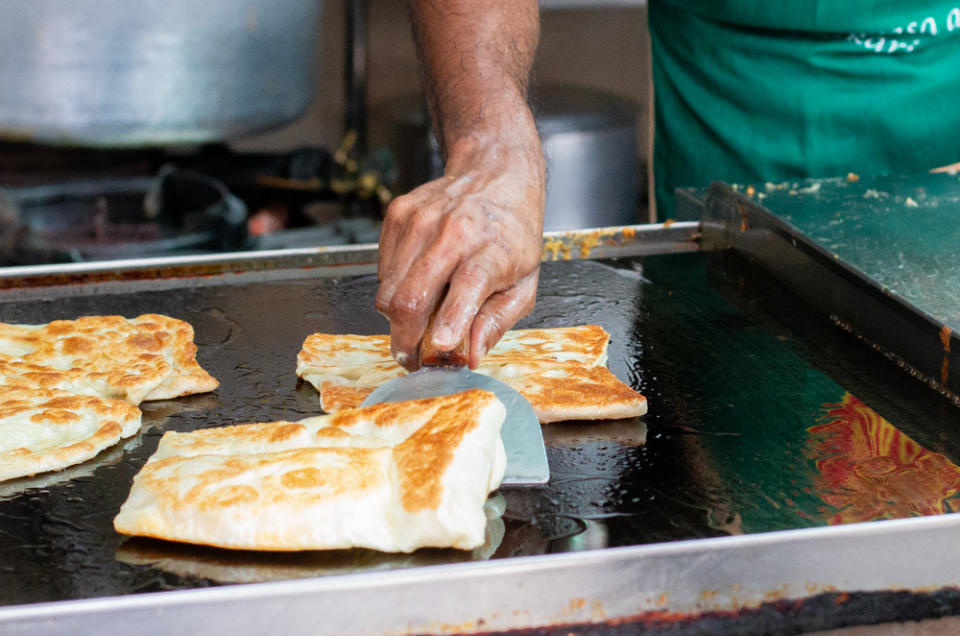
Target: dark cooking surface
{"points": [[736, 373]]}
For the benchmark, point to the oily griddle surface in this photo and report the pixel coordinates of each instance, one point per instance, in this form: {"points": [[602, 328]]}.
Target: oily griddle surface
{"points": [[736, 374]]}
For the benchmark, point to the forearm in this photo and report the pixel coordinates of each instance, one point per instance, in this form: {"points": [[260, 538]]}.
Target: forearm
{"points": [[475, 60], [477, 231]]}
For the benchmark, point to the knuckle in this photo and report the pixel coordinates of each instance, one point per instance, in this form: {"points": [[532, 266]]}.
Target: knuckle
{"points": [[475, 274], [421, 219], [399, 208], [406, 306], [458, 228], [382, 303]]}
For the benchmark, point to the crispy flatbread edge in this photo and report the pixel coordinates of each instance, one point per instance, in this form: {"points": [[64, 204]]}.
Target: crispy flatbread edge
{"points": [[335, 397], [181, 385], [635, 408]]}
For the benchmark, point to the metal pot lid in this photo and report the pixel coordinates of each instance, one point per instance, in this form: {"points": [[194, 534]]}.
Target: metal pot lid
{"points": [[560, 109], [160, 72]]}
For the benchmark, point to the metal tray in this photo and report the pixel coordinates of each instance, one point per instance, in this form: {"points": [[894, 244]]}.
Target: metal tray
{"points": [[633, 528]]}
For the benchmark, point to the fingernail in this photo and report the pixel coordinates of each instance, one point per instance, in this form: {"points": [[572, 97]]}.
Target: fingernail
{"points": [[442, 336], [482, 352]]}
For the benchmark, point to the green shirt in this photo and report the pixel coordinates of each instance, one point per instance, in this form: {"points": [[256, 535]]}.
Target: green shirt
{"points": [[751, 92]]}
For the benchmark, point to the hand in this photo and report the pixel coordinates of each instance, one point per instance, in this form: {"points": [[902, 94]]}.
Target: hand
{"points": [[477, 229]]}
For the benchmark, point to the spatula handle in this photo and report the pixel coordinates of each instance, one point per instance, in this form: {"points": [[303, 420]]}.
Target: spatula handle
{"points": [[430, 356]]}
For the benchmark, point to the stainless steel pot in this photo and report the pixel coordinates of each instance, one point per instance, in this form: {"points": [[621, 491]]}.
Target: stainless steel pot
{"points": [[590, 143], [152, 72]]}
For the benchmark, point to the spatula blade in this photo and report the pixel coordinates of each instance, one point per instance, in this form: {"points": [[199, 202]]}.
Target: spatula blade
{"points": [[521, 433]]}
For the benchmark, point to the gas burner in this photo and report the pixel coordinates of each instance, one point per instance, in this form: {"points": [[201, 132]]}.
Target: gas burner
{"points": [[82, 205], [100, 219]]}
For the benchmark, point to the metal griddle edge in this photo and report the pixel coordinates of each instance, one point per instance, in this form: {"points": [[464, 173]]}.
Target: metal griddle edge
{"points": [[720, 584]]}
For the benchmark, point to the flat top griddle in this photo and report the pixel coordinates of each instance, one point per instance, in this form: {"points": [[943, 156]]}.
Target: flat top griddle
{"points": [[900, 230], [738, 373]]}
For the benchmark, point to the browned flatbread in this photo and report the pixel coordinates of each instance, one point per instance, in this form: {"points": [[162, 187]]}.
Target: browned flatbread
{"points": [[43, 429], [568, 391], [394, 477], [151, 357], [188, 377], [332, 350], [584, 344], [560, 371], [89, 362]]}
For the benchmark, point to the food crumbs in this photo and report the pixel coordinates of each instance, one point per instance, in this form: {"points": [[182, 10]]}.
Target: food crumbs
{"points": [[587, 243], [552, 247]]}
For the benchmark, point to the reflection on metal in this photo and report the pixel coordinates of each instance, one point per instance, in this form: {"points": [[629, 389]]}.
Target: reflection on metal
{"points": [[870, 470], [899, 319], [648, 584], [230, 566]]}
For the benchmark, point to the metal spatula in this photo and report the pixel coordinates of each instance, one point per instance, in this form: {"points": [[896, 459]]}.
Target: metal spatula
{"points": [[521, 434]]}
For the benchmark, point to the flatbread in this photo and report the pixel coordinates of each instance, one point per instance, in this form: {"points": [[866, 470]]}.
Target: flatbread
{"points": [[393, 477], [346, 387], [333, 350], [584, 344], [560, 371], [568, 391], [87, 364], [188, 377], [43, 429], [257, 567], [150, 357]]}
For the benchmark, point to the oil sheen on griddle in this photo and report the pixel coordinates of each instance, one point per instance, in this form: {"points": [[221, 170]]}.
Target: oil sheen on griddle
{"points": [[738, 377]]}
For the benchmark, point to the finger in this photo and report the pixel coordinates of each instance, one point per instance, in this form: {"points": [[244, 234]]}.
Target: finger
{"points": [[471, 284], [415, 298], [390, 231], [460, 258], [428, 201], [394, 220], [407, 243], [499, 313], [409, 361]]}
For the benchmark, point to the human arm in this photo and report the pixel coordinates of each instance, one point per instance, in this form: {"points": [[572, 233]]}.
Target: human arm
{"points": [[478, 228]]}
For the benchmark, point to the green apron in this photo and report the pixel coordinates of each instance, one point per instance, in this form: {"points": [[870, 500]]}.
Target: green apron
{"points": [[754, 92]]}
